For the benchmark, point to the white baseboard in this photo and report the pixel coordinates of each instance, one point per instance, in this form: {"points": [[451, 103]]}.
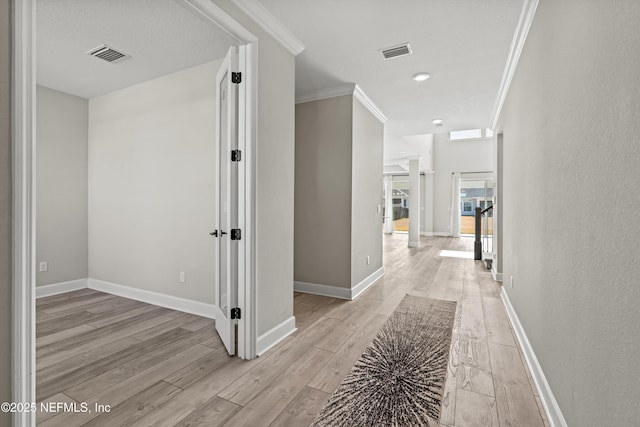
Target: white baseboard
{"points": [[496, 276], [337, 292], [274, 335], [551, 407], [442, 234], [426, 233], [414, 244], [368, 281], [175, 303], [60, 288], [322, 290]]}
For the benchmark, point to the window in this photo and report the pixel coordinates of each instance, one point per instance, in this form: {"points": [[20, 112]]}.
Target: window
{"points": [[465, 134], [467, 206]]}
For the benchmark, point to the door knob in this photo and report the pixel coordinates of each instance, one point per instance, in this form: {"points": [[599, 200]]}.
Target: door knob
{"points": [[214, 233], [222, 233]]}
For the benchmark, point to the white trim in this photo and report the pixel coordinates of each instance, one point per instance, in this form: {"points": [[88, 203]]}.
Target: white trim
{"points": [[366, 282], [175, 303], [23, 344], [369, 104], [209, 10], [322, 290], [551, 407], [348, 89], [517, 44], [326, 93], [276, 334], [248, 135], [442, 234], [426, 233], [61, 288], [496, 276], [256, 11], [414, 244], [338, 292]]}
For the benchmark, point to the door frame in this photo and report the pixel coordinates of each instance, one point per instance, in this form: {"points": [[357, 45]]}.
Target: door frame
{"points": [[23, 151]]}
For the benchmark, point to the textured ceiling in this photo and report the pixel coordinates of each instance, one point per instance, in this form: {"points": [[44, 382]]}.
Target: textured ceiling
{"points": [[162, 37], [463, 44]]}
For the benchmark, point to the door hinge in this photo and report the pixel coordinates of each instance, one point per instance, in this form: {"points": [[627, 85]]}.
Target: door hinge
{"points": [[236, 155], [236, 313], [236, 234], [236, 77]]}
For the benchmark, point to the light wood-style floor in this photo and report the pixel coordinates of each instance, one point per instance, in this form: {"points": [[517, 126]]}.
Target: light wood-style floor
{"points": [[155, 366]]}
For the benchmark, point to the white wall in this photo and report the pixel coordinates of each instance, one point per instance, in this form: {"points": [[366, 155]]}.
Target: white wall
{"points": [[455, 156], [275, 175], [366, 171], [152, 184], [571, 126], [323, 202], [61, 183]]}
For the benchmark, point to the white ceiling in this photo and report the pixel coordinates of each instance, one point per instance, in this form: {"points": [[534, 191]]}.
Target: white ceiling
{"points": [[162, 37], [463, 44]]}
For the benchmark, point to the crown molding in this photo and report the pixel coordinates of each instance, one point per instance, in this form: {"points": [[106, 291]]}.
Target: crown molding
{"points": [[327, 93], [348, 89], [258, 13], [517, 44], [368, 103]]}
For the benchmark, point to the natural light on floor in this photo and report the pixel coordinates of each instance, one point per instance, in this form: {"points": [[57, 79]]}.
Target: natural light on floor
{"points": [[456, 254]]}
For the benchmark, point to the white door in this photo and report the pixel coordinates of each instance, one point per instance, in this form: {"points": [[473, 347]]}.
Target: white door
{"points": [[227, 233]]}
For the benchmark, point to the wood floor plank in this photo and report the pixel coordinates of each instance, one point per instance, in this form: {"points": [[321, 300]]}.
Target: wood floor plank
{"points": [[78, 303], [497, 323], [213, 413], [92, 370], [175, 410], [42, 416], [43, 342], [516, 404], [95, 337], [266, 406], [254, 381], [333, 372], [64, 296], [336, 338], [475, 410], [196, 370], [136, 407], [474, 379], [64, 322], [131, 386], [55, 367], [303, 409], [162, 349]]}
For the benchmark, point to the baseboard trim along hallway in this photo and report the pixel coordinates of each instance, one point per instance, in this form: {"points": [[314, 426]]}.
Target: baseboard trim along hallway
{"points": [[336, 291], [61, 288], [551, 407], [175, 303], [274, 335]]}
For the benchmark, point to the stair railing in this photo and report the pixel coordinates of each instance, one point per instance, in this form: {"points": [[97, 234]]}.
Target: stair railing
{"points": [[482, 218]]}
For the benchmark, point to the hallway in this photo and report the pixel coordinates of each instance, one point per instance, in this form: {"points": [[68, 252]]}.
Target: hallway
{"points": [[156, 366], [487, 384]]}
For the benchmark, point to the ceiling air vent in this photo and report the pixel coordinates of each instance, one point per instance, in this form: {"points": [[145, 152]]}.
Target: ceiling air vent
{"points": [[396, 51], [108, 54]]}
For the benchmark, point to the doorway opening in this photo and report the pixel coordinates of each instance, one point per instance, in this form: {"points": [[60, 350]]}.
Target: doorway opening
{"points": [[25, 172], [476, 193]]}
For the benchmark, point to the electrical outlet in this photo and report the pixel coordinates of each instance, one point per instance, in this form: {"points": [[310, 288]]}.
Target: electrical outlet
{"points": [[44, 266], [182, 277], [511, 282], [368, 260]]}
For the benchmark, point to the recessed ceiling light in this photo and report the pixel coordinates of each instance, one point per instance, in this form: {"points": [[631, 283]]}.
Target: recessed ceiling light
{"points": [[437, 122], [420, 77]]}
